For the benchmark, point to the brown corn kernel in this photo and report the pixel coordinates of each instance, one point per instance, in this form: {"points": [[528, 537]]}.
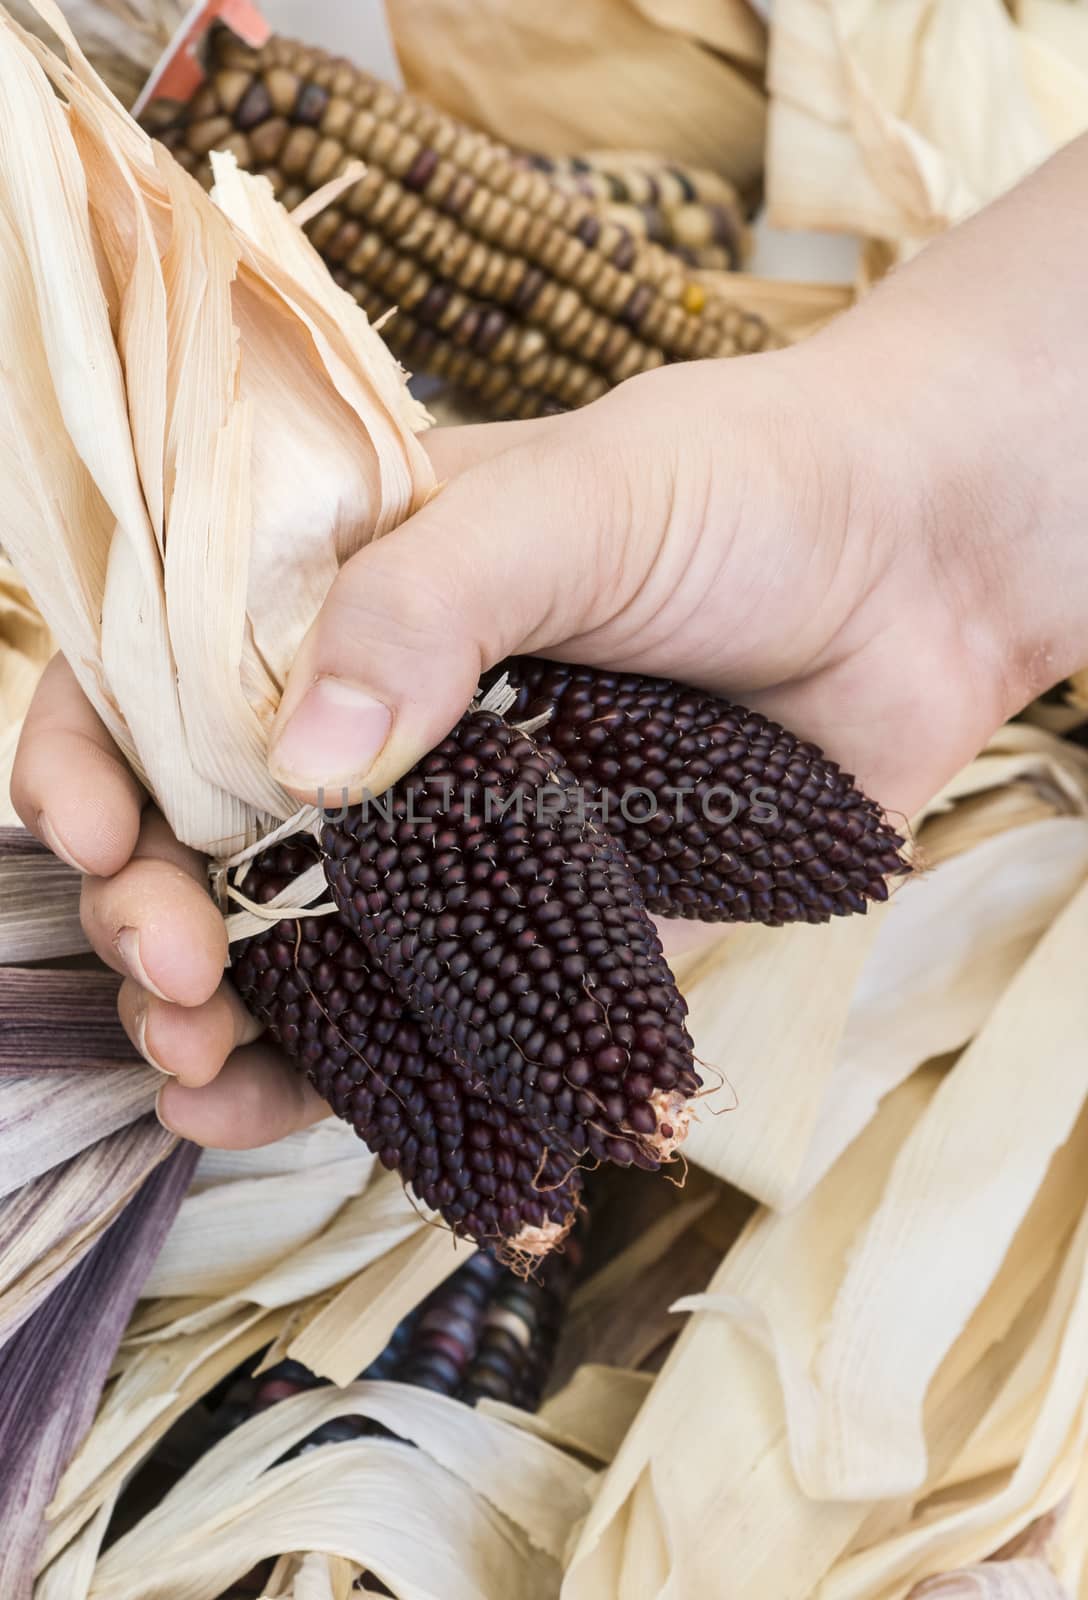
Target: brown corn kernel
{"points": [[363, 125], [282, 87], [209, 134], [267, 139], [243, 97], [382, 143], [337, 119], [297, 151], [323, 227], [344, 80], [205, 103], [344, 240], [402, 155], [324, 163]]}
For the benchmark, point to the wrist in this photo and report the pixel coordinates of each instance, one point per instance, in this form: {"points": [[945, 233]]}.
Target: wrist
{"points": [[984, 462]]}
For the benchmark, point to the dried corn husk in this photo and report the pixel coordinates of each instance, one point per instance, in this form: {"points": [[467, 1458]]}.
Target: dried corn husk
{"points": [[43, 1358], [123, 39], [494, 1525], [896, 121], [39, 901], [178, 522], [25, 647], [977, 1217], [216, 1295], [596, 74]]}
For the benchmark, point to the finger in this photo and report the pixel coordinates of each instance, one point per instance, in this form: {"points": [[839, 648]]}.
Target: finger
{"points": [[257, 1098], [497, 561], [687, 941], [456, 450], [70, 784], [155, 922], [189, 1043]]}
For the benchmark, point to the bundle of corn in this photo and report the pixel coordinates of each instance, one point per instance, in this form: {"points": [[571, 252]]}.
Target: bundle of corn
{"points": [[543, 1024], [503, 284]]}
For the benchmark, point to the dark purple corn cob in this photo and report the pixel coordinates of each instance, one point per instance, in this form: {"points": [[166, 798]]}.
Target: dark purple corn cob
{"points": [[482, 1166], [516, 929], [723, 815]]}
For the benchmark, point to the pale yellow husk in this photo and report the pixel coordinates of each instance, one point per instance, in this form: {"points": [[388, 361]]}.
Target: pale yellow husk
{"points": [[199, 428], [675, 78], [895, 121], [25, 647]]}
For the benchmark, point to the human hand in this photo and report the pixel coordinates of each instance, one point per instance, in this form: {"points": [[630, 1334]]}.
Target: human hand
{"points": [[821, 533]]}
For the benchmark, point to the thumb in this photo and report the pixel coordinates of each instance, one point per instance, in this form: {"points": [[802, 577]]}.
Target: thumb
{"points": [[507, 556]]}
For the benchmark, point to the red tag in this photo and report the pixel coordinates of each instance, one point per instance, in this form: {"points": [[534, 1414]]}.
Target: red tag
{"points": [[180, 70]]}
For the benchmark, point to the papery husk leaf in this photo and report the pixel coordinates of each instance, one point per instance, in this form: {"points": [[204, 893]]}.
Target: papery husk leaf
{"points": [[51, 1378], [345, 1333], [49, 1117], [793, 1279], [994, 1580], [311, 1577], [123, 39], [316, 1146], [386, 1507], [590, 1415], [542, 1490], [232, 1233], [154, 1387], [944, 957], [54, 1020], [739, 1024], [713, 1425], [978, 817], [902, 1304], [39, 901], [25, 647], [606, 74], [793, 310], [898, 121], [1020, 751], [68, 1576], [1044, 1457], [363, 1232], [49, 1225], [156, 482]]}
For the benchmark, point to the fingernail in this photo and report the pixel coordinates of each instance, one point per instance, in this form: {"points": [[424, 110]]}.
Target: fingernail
{"points": [[48, 836], [158, 1110], [127, 945], [334, 737], [140, 1041]]}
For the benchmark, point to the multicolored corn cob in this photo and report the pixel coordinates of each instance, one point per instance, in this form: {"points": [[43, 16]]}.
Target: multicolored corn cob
{"points": [[697, 216], [483, 1333], [505, 285]]}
